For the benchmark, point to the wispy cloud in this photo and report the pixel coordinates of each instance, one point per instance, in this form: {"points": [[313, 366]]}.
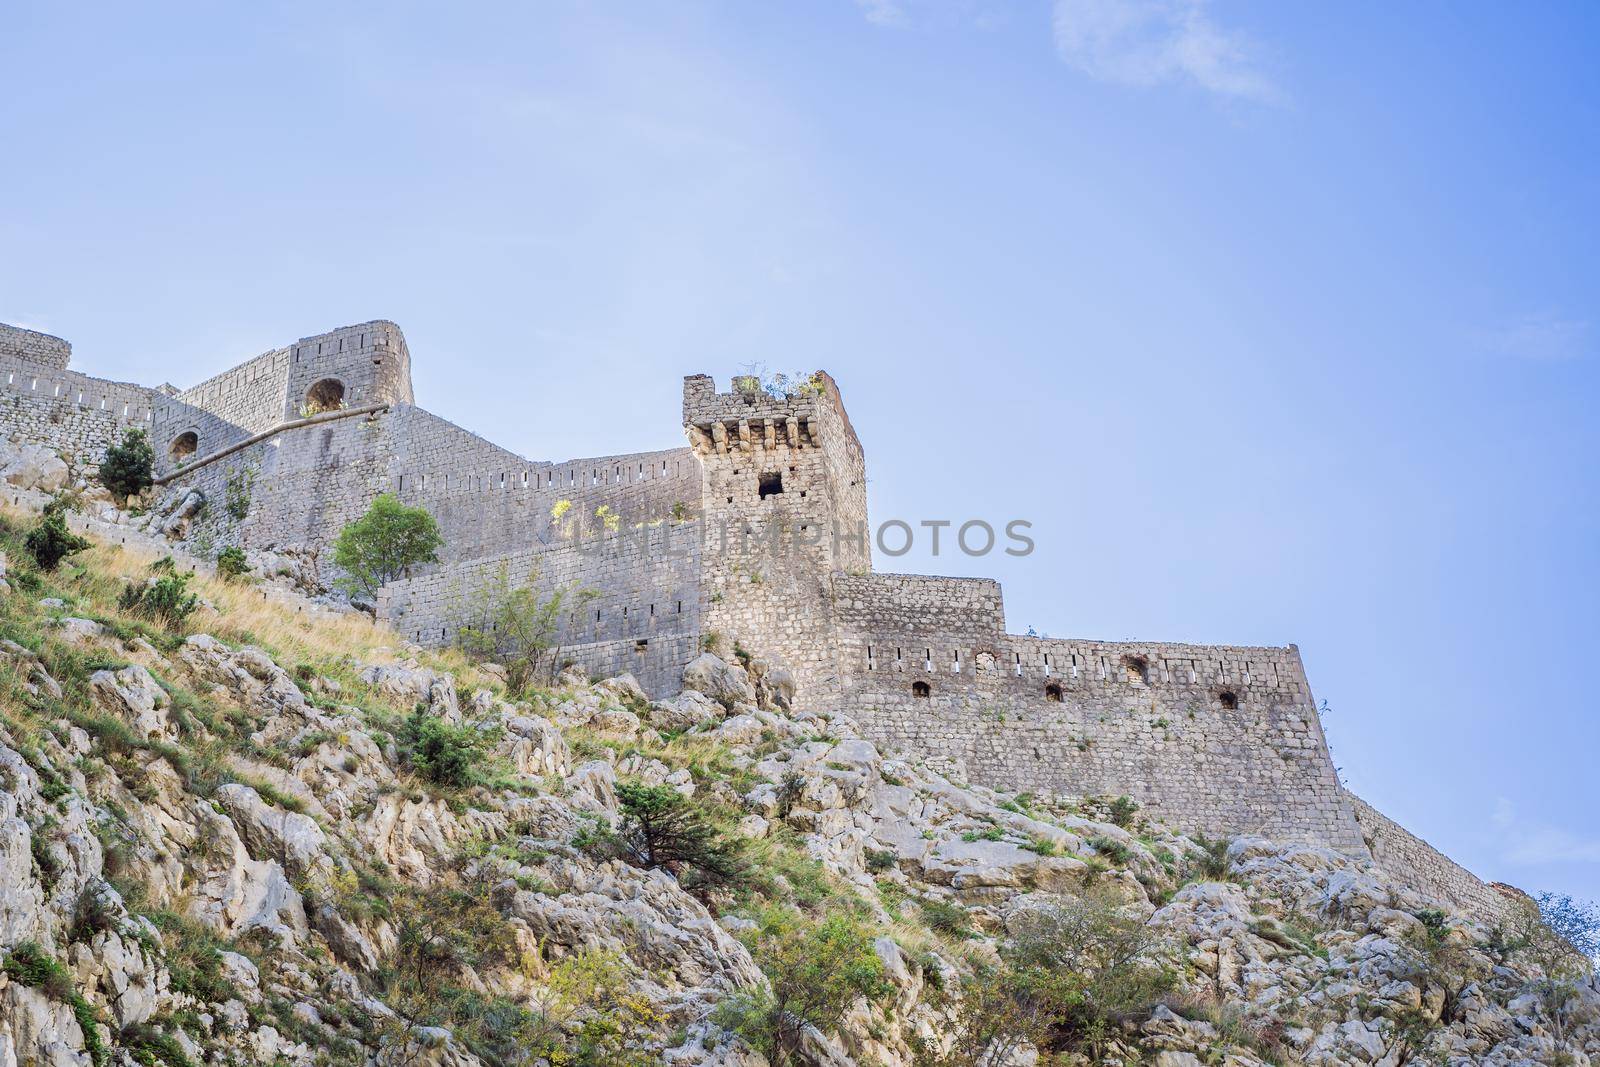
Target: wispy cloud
{"points": [[883, 12], [1156, 42], [975, 14], [1532, 844], [1542, 337]]}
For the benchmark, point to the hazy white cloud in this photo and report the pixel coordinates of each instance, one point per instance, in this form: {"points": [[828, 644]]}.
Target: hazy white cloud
{"points": [[1532, 844], [1156, 42], [1541, 337], [883, 12], [978, 14]]}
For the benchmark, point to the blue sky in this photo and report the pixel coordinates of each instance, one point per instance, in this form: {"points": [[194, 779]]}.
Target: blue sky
{"points": [[1278, 321]]}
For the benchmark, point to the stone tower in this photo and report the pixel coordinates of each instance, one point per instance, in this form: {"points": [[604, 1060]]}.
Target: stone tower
{"points": [[352, 367], [784, 502]]}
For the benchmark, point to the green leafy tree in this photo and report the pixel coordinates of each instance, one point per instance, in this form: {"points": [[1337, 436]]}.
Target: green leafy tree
{"points": [[816, 973], [519, 628], [384, 543], [50, 541], [128, 468]]}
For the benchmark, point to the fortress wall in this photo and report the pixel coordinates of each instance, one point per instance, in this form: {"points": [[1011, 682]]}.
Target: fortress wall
{"points": [[645, 619], [489, 501], [250, 397], [72, 413], [303, 485], [31, 346], [1086, 718], [1416, 864]]}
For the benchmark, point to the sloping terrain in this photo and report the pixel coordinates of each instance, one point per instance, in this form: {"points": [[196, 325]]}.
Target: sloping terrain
{"points": [[259, 835]]}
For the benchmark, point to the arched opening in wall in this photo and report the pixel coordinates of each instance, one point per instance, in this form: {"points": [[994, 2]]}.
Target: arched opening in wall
{"points": [[771, 484], [183, 446], [1052, 693], [921, 690], [1228, 700], [326, 395], [1137, 669]]}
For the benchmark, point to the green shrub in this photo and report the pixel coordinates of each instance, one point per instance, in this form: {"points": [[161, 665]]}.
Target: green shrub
{"points": [[1084, 961], [1123, 811], [166, 600], [231, 563], [881, 859], [50, 541], [943, 917], [816, 974], [128, 468], [442, 753], [236, 495], [1112, 850], [384, 543]]}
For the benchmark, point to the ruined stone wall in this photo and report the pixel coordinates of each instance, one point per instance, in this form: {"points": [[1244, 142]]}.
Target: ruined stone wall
{"points": [[643, 619], [30, 346], [1212, 738], [1414, 863]]}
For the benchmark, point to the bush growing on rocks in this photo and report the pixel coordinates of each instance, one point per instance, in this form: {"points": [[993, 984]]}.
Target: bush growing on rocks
{"points": [[165, 599], [442, 753], [662, 828], [231, 563], [817, 973], [1087, 965], [50, 541]]}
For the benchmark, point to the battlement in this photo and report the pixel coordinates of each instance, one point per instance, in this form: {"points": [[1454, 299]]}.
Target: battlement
{"points": [[748, 417], [34, 347]]}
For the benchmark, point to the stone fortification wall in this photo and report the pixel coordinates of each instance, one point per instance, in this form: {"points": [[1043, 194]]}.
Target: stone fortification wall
{"points": [[644, 617], [248, 398], [1413, 862], [30, 346], [42, 402], [1215, 739]]}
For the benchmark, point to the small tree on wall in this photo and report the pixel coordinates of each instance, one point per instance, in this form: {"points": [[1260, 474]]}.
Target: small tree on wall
{"points": [[517, 626], [384, 544], [129, 467]]}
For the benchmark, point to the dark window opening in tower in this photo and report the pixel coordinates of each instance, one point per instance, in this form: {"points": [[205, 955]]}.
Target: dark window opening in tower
{"points": [[771, 484], [1228, 700], [1138, 669], [184, 445], [326, 395], [1052, 693], [921, 690]]}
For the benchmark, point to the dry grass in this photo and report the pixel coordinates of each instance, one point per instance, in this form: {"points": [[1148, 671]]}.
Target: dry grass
{"points": [[294, 629]]}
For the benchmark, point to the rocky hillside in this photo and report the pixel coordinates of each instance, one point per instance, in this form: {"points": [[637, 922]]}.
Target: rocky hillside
{"points": [[233, 832]]}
